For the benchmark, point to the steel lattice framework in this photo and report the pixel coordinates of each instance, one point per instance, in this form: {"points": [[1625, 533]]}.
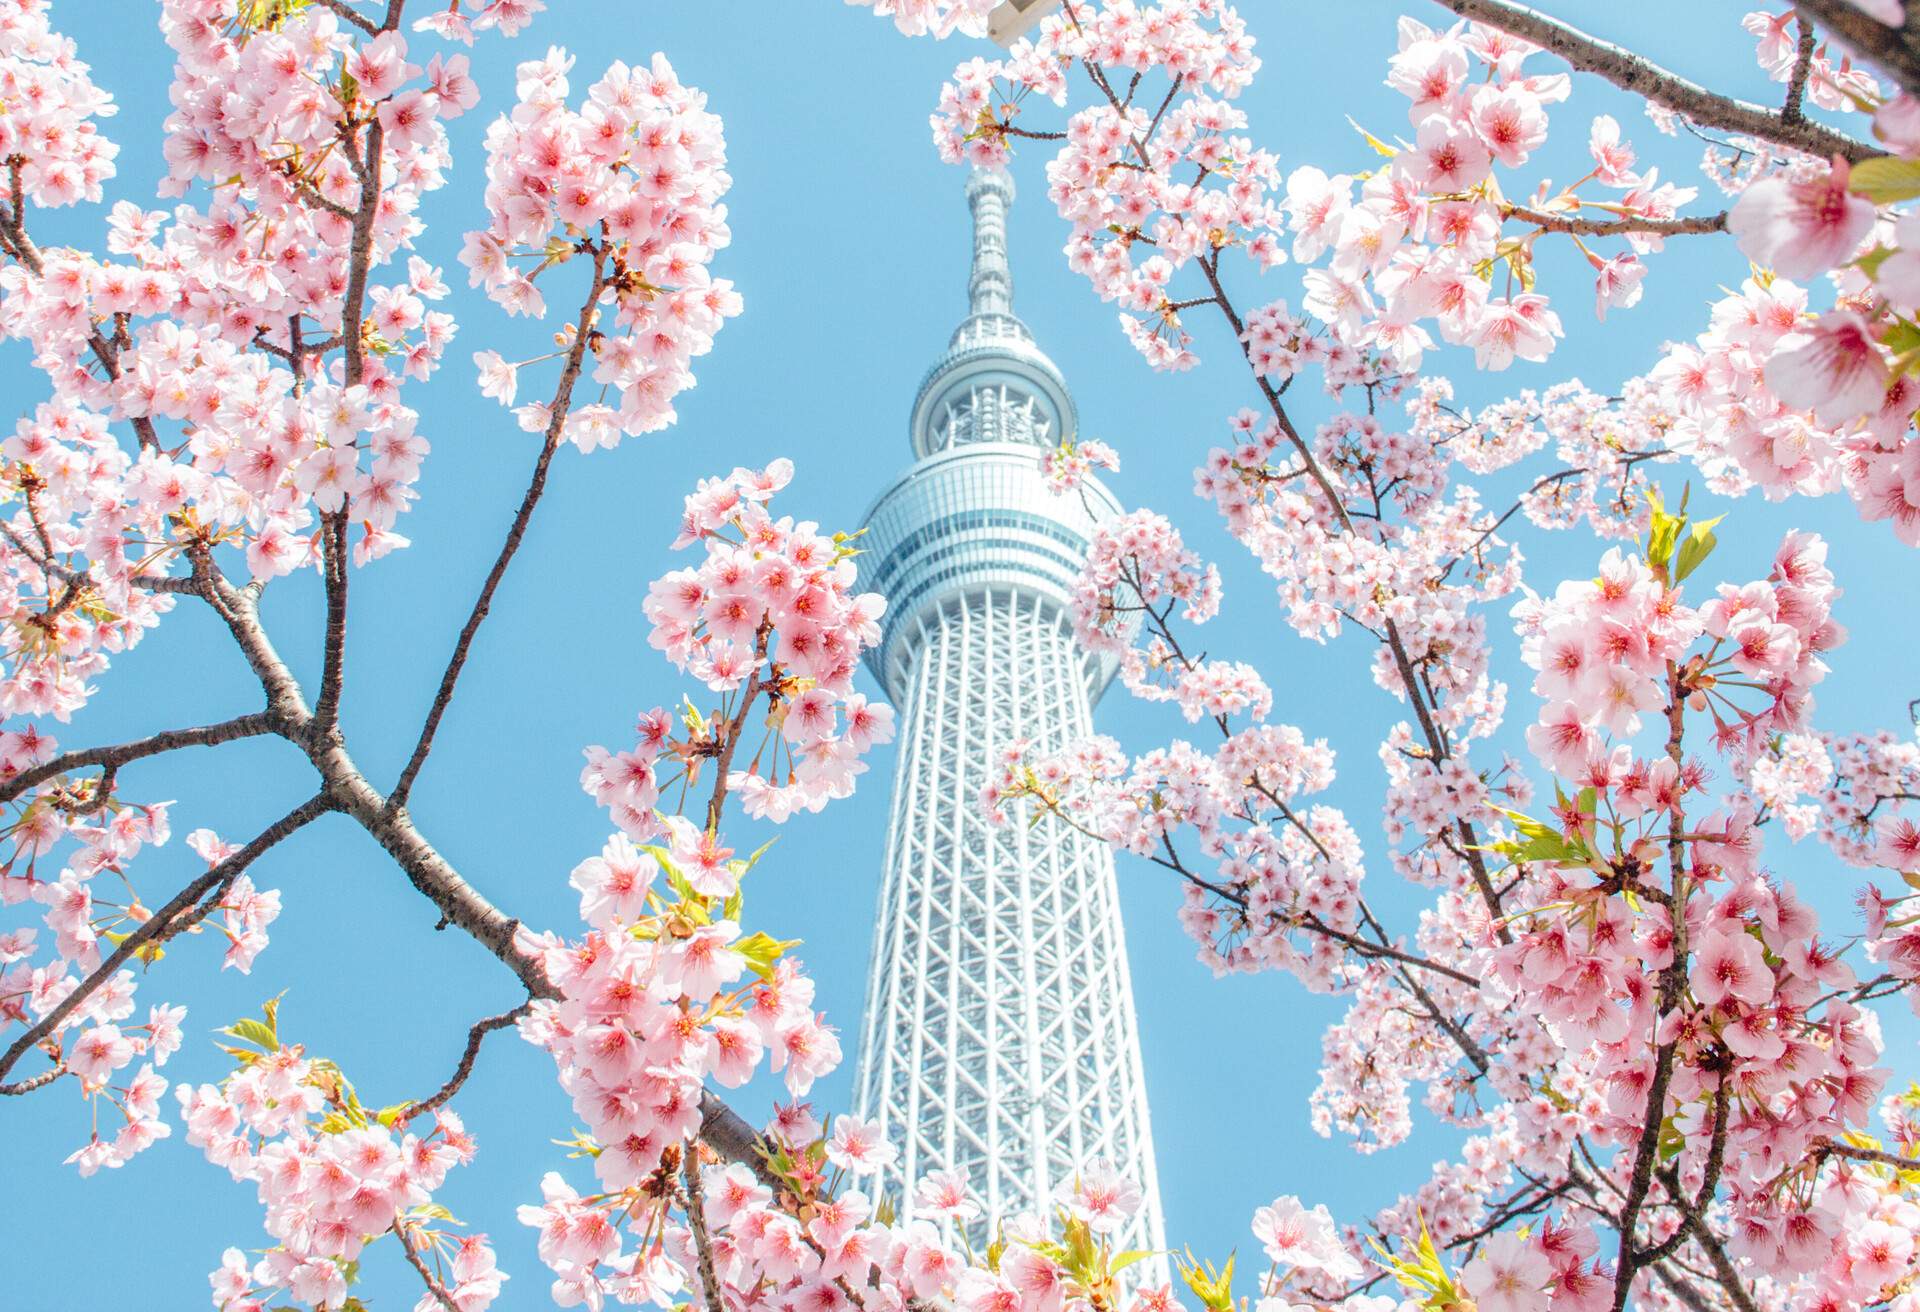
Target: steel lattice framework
{"points": [[1000, 1036]]}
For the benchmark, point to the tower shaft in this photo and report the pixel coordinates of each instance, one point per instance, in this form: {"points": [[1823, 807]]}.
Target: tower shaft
{"points": [[999, 1035]]}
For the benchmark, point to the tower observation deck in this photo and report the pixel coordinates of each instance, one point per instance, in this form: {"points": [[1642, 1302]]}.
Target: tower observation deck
{"points": [[999, 1036]]}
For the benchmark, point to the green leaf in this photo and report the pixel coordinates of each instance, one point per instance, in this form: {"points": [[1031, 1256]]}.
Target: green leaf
{"points": [[1663, 529], [675, 880], [1215, 1290], [259, 1034], [1885, 179], [761, 850], [761, 950], [1698, 546], [1081, 1250], [388, 1115], [1379, 147], [1424, 1273], [1121, 1261], [1543, 841], [730, 909]]}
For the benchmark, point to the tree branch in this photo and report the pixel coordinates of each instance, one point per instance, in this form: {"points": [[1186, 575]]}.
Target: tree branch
{"points": [[352, 15], [210, 735], [727, 1132], [516, 532], [697, 1222], [1631, 72], [459, 903], [40, 1081], [1691, 225], [1792, 109], [80, 578], [434, 1287], [188, 907], [1874, 1155], [1895, 50], [333, 528], [475, 1037]]}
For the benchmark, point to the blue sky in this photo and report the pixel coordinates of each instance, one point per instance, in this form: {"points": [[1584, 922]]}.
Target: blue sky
{"points": [[850, 249]]}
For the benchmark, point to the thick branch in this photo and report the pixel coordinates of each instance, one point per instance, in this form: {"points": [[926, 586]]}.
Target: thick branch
{"points": [[1729, 1282], [1631, 72], [333, 666], [1792, 108], [727, 1132]]}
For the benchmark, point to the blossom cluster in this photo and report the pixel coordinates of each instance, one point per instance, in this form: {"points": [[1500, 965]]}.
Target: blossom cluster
{"points": [[1855, 792], [1431, 238], [213, 323], [95, 1042], [1066, 466], [1135, 563], [333, 1178], [633, 179], [772, 611]]}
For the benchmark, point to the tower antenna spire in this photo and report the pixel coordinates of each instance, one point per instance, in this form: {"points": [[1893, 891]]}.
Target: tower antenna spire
{"points": [[990, 285]]}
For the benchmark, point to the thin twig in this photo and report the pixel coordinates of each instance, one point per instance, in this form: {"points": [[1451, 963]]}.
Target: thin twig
{"points": [[471, 1053], [186, 909], [209, 735], [516, 533], [434, 1287], [40, 1081], [697, 1222]]}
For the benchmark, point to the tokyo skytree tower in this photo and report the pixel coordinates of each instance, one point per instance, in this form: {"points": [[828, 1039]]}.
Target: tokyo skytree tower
{"points": [[999, 1033]]}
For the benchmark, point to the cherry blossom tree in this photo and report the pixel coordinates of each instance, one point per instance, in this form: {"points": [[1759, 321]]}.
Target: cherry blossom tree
{"points": [[1671, 1087]]}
